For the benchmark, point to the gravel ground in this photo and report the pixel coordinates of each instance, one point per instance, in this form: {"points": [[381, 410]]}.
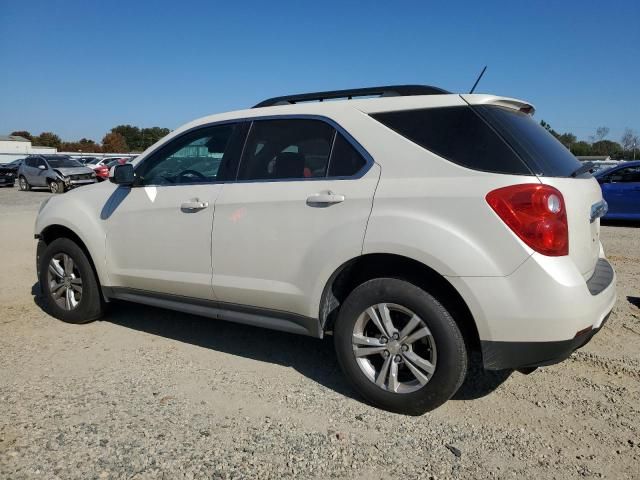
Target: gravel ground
{"points": [[147, 393]]}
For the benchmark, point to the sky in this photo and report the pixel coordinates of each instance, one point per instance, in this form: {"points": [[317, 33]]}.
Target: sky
{"points": [[78, 68]]}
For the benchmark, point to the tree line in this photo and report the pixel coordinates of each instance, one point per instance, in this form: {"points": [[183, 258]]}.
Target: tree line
{"points": [[120, 139], [599, 144], [128, 138]]}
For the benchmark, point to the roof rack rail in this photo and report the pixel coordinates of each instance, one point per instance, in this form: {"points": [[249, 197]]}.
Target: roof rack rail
{"points": [[385, 91]]}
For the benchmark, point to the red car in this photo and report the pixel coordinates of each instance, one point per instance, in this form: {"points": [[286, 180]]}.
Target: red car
{"points": [[102, 172]]}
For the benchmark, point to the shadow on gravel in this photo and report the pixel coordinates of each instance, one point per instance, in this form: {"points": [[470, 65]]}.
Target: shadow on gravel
{"points": [[634, 301], [311, 357], [620, 223], [480, 382]]}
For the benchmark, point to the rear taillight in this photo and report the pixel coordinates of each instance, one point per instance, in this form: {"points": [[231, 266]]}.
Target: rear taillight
{"points": [[536, 213]]}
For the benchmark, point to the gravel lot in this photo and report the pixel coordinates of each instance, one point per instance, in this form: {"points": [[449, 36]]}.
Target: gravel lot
{"points": [[147, 393]]}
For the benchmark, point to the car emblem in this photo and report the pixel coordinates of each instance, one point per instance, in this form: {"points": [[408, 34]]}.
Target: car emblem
{"points": [[598, 210]]}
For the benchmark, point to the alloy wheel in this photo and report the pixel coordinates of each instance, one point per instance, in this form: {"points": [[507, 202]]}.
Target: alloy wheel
{"points": [[394, 348], [65, 282]]}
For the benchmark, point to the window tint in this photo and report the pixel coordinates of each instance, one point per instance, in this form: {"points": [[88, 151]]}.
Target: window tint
{"points": [[345, 159], [285, 149], [626, 175], [544, 154], [457, 134], [193, 158], [62, 162], [30, 162]]}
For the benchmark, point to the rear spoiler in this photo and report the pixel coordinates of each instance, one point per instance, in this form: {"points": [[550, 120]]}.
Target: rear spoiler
{"points": [[515, 104]]}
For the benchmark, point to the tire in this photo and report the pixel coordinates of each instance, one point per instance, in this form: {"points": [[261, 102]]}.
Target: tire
{"points": [[444, 346], [88, 304], [24, 185], [56, 186]]}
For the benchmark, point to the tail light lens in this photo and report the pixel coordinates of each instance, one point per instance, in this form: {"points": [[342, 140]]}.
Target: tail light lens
{"points": [[536, 213]]}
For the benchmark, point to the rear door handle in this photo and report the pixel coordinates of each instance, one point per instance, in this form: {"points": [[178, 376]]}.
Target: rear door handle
{"points": [[194, 205], [324, 199]]}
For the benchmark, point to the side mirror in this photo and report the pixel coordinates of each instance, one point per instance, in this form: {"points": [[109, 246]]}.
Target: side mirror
{"points": [[42, 167], [122, 174]]}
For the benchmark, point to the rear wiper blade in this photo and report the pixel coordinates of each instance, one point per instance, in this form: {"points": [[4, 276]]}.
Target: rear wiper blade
{"points": [[587, 167]]}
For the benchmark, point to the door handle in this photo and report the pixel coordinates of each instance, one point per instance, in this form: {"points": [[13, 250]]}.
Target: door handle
{"points": [[324, 199], [194, 205]]}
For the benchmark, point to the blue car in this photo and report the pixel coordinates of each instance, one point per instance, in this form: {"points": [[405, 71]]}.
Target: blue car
{"points": [[621, 189]]}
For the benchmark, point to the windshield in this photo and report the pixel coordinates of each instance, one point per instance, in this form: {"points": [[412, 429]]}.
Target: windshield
{"points": [[63, 162], [544, 155]]}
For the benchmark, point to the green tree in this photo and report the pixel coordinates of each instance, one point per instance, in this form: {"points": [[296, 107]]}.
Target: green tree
{"points": [[548, 128], [131, 134], [83, 145], [581, 148], [149, 136], [607, 147], [114, 143], [567, 139], [23, 134], [47, 139]]}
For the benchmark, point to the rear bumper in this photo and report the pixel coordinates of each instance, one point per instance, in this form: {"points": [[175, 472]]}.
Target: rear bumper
{"points": [[540, 313], [515, 355]]}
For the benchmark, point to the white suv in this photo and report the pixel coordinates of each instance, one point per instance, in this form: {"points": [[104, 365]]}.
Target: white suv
{"points": [[413, 227]]}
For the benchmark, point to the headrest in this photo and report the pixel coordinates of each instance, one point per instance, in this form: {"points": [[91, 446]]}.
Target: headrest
{"points": [[289, 165]]}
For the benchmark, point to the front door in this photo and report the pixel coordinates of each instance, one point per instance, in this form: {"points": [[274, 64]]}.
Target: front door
{"points": [[159, 230], [298, 211]]}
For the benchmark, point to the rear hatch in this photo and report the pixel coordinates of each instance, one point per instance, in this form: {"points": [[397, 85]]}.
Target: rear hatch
{"points": [[554, 165]]}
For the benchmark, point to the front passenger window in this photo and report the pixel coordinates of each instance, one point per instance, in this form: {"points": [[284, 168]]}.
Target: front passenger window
{"points": [[286, 149], [193, 158]]}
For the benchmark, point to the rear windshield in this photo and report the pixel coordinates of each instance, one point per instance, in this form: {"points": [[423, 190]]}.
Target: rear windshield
{"points": [[544, 154], [486, 138]]}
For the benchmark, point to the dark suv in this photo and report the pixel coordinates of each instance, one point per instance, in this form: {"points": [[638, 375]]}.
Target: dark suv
{"points": [[56, 172]]}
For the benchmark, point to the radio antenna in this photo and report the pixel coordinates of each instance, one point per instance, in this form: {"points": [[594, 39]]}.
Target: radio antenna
{"points": [[478, 80]]}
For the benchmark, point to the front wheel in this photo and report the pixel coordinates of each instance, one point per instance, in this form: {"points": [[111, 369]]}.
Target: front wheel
{"points": [[69, 284], [56, 186], [399, 347]]}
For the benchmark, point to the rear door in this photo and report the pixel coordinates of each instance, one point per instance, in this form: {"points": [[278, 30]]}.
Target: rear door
{"points": [[297, 211]]}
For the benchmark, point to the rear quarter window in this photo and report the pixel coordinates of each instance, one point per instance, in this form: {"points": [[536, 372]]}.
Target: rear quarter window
{"points": [[459, 135]]}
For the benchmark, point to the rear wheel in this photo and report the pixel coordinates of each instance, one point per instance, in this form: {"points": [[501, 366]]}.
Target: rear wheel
{"points": [[24, 185], [69, 284], [399, 346]]}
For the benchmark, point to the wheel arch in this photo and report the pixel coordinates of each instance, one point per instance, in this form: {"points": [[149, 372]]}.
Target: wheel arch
{"points": [[376, 265], [53, 232]]}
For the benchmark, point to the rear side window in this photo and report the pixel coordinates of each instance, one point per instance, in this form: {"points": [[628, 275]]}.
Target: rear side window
{"points": [[286, 149], [457, 134], [538, 148], [346, 161]]}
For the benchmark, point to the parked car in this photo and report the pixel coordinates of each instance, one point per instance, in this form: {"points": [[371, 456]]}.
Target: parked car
{"points": [[14, 165], [7, 176], [621, 189], [102, 172], [598, 166], [56, 172], [412, 227], [87, 160]]}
